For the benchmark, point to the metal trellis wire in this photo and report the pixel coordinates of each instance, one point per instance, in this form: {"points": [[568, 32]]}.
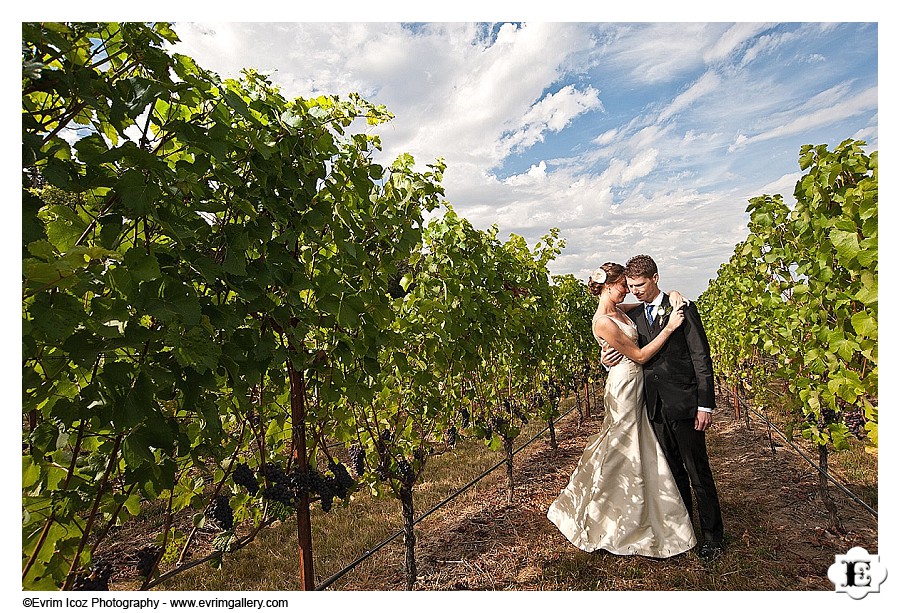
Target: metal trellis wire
{"points": [[330, 580], [784, 436]]}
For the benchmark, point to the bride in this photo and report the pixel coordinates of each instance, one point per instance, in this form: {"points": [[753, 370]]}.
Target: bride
{"points": [[622, 497]]}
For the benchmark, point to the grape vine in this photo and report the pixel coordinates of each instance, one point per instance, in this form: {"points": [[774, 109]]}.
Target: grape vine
{"points": [[798, 302], [218, 281]]}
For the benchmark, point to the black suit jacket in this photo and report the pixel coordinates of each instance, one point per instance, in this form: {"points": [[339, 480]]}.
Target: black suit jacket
{"points": [[679, 378]]}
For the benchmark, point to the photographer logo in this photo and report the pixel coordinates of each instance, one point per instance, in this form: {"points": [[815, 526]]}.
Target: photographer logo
{"points": [[857, 573]]}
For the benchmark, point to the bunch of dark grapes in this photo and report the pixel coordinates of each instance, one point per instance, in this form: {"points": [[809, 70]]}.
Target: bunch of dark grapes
{"points": [[384, 437], [221, 512], [498, 425], [464, 423], [97, 580], [146, 559], [322, 485], [828, 417], [343, 483], [519, 414], [855, 421], [278, 491], [253, 416], [451, 436], [279, 487], [487, 431], [273, 473], [382, 472], [405, 471], [326, 494], [300, 483], [244, 476], [357, 460], [554, 391]]}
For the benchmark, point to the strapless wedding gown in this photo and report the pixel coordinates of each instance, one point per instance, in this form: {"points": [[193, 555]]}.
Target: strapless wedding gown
{"points": [[622, 497]]}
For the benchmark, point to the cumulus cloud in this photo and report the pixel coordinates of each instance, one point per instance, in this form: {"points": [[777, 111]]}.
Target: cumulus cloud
{"points": [[694, 118], [553, 113]]}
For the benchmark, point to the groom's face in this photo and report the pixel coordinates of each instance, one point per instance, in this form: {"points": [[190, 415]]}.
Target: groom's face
{"points": [[644, 289]]}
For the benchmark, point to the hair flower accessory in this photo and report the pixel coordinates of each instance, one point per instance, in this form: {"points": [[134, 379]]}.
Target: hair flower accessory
{"points": [[598, 276]]}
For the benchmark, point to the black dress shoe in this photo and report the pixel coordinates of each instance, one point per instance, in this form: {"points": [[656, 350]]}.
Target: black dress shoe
{"points": [[711, 551]]}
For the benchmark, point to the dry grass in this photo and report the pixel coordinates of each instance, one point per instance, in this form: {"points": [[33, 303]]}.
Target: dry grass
{"points": [[776, 528], [349, 530]]}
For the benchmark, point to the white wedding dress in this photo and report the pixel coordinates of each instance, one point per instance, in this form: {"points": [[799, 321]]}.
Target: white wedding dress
{"points": [[622, 497]]}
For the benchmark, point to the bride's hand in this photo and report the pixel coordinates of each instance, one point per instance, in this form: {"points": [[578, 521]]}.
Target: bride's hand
{"points": [[676, 299], [676, 318]]}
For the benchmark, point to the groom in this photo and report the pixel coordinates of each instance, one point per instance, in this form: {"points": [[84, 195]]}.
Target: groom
{"points": [[680, 394]]}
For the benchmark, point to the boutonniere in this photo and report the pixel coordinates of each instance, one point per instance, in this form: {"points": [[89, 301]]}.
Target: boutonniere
{"points": [[663, 311]]}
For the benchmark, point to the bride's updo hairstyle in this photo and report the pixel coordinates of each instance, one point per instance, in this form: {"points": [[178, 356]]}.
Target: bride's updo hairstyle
{"points": [[608, 274]]}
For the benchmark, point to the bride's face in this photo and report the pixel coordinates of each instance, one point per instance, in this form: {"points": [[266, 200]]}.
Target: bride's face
{"points": [[618, 291]]}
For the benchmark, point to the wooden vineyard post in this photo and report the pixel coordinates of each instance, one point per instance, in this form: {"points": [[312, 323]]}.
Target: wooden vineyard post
{"points": [[304, 529], [737, 406]]}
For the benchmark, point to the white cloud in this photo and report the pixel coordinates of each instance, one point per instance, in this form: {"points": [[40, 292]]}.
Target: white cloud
{"points": [[553, 113], [731, 40], [662, 164], [703, 86], [809, 117]]}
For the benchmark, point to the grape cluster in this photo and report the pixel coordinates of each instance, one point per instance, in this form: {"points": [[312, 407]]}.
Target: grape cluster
{"points": [[382, 472], [828, 417], [253, 416], [357, 460], [554, 391], [287, 489], [97, 580], [519, 414], [278, 491], [281, 487], [464, 422], [244, 476], [855, 421], [146, 560], [451, 436], [499, 425], [405, 472], [221, 512], [342, 483], [321, 485], [273, 473]]}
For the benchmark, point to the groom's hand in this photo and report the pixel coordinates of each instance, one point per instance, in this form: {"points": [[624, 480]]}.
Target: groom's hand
{"points": [[702, 421], [609, 357]]}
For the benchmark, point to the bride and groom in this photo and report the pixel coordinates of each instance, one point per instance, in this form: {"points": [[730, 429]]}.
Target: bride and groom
{"points": [[631, 491]]}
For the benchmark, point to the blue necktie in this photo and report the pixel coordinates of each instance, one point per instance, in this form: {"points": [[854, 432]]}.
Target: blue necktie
{"points": [[650, 314]]}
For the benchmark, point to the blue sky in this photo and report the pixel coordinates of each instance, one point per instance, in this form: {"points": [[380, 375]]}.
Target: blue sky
{"points": [[631, 137]]}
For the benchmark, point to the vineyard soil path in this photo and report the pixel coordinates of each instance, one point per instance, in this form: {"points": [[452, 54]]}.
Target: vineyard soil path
{"points": [[777, 530]]}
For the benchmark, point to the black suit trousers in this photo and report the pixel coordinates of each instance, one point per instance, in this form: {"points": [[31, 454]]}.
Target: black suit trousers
{"points": [[685, 451]]}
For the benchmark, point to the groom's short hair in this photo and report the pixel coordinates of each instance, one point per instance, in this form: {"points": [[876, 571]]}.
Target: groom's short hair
{"points": [[640, 266]]}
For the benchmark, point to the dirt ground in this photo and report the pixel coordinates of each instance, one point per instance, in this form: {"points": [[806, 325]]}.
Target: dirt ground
{"points": [[777, 529]]}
